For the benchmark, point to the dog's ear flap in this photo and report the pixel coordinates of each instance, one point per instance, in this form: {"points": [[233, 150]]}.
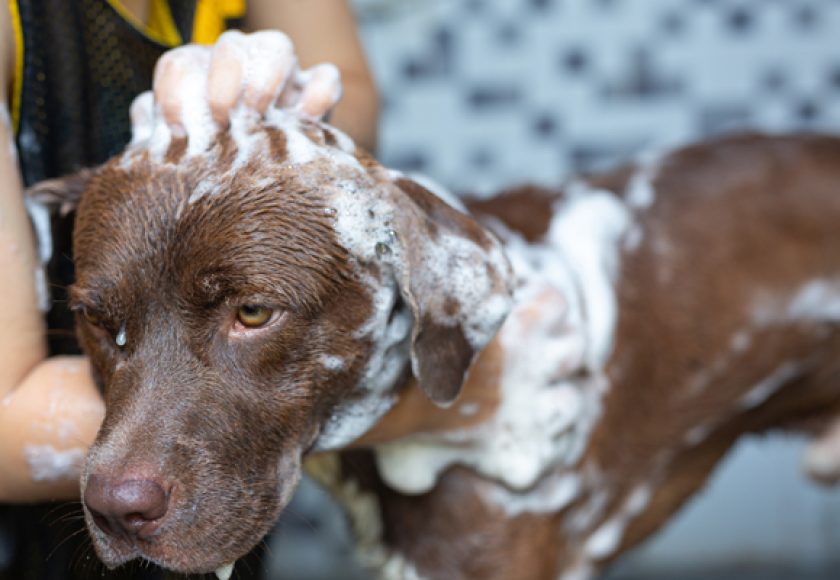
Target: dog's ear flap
{"points": [[61, 192], [456, 279]]}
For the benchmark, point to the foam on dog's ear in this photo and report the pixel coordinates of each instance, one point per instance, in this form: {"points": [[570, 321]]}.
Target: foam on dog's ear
{"points": [[42, 201], [458, 283], [62, 192]]}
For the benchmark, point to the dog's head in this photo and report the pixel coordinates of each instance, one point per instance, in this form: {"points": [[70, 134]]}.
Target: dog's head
{"points": [[250, 302]]}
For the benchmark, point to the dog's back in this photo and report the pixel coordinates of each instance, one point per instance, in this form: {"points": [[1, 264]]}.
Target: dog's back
{"points": [[726, 281]]}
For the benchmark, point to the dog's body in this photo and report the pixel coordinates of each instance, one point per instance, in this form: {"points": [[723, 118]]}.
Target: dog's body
{"points": [[658, 313], [725, 264]]}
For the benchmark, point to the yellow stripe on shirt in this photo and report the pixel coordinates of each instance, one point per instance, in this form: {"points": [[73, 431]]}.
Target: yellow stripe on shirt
{"points": [[17, 90], [211, 18]]}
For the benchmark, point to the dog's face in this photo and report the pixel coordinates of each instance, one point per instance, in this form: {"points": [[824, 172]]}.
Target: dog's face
{"points": [[247, 304]]}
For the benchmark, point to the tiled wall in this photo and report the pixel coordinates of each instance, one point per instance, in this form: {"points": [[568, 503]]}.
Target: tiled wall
{"points": [[485, 93]]}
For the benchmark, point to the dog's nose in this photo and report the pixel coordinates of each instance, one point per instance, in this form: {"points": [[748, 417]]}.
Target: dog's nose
{"points": [[129, 508]]}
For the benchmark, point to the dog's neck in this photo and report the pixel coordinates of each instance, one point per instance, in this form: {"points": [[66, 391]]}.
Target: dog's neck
{"points": [[533, 396]]}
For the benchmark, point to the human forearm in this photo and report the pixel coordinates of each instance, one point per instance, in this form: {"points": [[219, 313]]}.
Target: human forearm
{"points": [[21, 327], [357, 113], [47, 424]]}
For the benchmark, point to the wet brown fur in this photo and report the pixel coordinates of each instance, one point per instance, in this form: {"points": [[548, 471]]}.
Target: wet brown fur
{"points": [[741, 216], [173, 273], [737, 215]]}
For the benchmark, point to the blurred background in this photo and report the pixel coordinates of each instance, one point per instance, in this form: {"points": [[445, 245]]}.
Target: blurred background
{"points": [[482, 94]]}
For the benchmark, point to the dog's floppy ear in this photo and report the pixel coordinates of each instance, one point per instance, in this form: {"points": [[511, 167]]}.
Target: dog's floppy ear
{"points": [[61, 192], [458, 283]]}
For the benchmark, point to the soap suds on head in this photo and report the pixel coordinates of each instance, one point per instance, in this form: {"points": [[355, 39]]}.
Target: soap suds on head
{"points": [[302, 150], [46, 463], [259, 54]]}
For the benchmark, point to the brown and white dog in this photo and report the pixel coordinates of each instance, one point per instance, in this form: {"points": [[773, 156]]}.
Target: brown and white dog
{"points": [[526, 403]]}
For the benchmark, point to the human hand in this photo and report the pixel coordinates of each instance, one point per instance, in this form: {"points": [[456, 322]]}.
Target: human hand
{"points": [[254, 71]]}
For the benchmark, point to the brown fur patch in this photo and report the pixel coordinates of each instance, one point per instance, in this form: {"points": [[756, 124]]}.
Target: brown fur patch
{"points": [[176, 150], [526, 210]]}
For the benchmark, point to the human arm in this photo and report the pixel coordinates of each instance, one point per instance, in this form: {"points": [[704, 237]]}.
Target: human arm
{"points": [[44, 404]]}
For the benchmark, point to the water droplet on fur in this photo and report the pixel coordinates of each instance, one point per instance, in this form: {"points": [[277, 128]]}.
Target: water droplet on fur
{"points": [[121, 338], [382, 249], [329, 211]]}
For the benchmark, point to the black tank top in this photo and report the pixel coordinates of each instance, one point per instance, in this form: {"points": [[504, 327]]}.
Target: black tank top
{"points": [[82, 64]]}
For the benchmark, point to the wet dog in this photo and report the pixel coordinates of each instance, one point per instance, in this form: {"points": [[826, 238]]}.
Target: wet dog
{"points": [[539, 385]]}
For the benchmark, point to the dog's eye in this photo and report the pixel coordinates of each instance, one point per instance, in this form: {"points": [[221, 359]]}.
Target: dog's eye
{"points": [[253, 315]]}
